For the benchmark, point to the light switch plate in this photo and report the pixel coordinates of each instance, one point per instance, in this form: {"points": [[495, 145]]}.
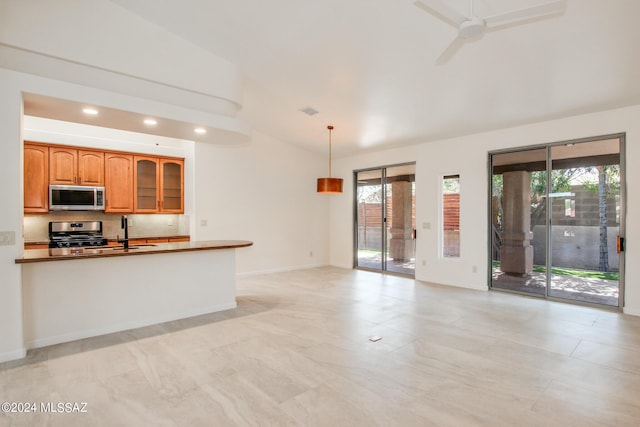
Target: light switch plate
{"points": [[7, 238]]}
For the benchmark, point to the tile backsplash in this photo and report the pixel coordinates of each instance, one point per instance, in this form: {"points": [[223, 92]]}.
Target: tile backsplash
{"points": [[36, 227]]}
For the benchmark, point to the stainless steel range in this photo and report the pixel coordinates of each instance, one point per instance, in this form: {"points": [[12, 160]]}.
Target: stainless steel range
{"points": [[73, 234]]}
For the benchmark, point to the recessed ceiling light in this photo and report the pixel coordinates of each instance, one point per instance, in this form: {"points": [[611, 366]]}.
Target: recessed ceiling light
{"points": [[90, 111], [200, 131], [150, 122]]}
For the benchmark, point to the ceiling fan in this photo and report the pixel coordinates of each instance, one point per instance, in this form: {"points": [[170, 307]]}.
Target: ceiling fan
{"points": [[472, 27]]}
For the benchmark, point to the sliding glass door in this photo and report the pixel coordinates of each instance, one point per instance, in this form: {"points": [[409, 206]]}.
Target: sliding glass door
{"points": [[585, 210], [519, 244], [370, 216], [557, 214], [385, 219]]}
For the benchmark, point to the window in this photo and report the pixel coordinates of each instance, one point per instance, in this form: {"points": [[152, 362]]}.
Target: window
{"points": [[451, 216]]}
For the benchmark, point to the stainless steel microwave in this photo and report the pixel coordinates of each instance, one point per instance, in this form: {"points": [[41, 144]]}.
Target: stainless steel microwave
{"points": [[76, 198]]}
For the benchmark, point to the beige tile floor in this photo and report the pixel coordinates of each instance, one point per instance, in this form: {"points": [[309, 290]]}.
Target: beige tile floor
{"points": [[296, 352]]}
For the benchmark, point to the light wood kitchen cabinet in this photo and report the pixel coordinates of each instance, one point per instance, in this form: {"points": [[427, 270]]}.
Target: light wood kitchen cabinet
{"points": [[134, 241], [63, 166], [170, 239], [36, 178], [91, 168], [68, 166], [137, 241], [133, 182], [118, 170], [172, 185], [36, 246], [159, 185], [146, 190], [154, 240]]}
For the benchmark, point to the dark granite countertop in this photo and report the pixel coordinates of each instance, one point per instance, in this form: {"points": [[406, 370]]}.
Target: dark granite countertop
{"points": [[60, 254]]}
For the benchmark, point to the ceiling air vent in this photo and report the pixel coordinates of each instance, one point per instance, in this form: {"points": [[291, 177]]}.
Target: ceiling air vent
{"points": [[309, 111]]}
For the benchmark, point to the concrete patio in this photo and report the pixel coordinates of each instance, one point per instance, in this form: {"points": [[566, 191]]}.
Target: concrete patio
{"points": [[596, 291]]}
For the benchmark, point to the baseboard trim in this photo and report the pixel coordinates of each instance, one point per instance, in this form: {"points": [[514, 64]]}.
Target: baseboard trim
{"points": [[631, 311], [278, 270], [13, 355]]}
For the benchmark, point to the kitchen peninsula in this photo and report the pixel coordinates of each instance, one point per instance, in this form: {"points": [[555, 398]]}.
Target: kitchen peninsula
{"points": [[69, 294]]}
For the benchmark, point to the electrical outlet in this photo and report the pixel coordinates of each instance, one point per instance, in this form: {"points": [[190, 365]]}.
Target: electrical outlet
{"points": [[424, 262], [203, 223], [474, 269], [426, 225], [170, 221], [7, 238], [310, 253]]}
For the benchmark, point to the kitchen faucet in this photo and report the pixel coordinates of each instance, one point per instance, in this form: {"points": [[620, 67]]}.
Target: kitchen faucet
{"points": [[125, 225]]}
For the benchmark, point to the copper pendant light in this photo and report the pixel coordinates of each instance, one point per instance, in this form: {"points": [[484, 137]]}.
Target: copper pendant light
{"points": [[330, 185]]}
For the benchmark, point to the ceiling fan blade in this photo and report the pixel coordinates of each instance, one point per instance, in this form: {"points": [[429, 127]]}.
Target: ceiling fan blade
{"points": [[442, 11], [453, 47], [528, 13]]}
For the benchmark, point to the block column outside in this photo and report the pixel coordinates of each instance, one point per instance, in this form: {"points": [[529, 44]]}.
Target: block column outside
{"points": [[516, 253], [401, 244]]}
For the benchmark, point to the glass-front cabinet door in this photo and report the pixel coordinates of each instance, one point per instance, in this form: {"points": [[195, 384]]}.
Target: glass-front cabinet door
{"points": [[159, 185], [146, 197], [171, 184]]}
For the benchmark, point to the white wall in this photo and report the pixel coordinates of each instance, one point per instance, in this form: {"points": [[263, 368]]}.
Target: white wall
{"points": [[11, 346], [130, 292], [265, 192], [468, 156]]}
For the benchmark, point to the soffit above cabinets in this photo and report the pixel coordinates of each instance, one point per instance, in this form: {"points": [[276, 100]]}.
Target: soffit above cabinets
{"points": [[72, 111]]}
